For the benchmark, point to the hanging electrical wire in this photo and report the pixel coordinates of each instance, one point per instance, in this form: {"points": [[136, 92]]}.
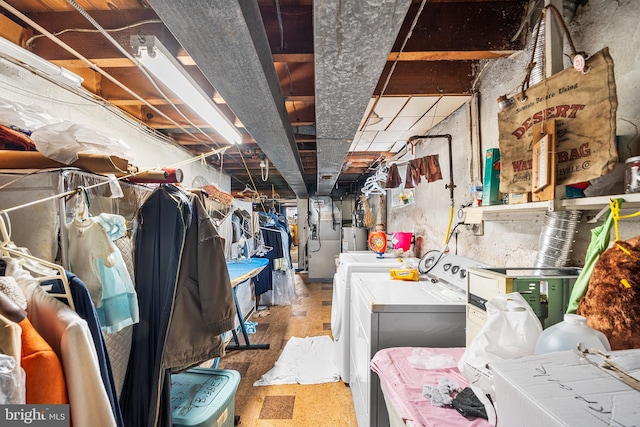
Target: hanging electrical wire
{"points": [[31, 39], [251, 178]]}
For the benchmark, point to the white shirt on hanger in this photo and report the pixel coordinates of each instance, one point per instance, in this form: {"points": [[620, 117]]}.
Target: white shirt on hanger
{"points": [[88, 245]]}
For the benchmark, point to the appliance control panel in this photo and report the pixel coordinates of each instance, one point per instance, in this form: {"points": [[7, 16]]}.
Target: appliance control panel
{"points": [[449, 268]]}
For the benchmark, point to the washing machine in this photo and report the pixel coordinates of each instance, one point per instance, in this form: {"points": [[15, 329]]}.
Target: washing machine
{"points": [[389, 313], [347, 264]]}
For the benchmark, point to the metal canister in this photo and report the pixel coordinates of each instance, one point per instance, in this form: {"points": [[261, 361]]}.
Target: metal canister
{"points": [[632, 175]]}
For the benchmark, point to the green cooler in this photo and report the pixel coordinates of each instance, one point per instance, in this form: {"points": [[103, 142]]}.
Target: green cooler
{"points": [[204, 397]]}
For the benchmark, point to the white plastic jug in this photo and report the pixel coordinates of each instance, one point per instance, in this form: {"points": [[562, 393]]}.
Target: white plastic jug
{"points": [[567, 334]]}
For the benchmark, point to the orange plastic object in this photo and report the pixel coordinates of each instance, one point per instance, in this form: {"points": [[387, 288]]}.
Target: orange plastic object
{"points": [[378, 242]]}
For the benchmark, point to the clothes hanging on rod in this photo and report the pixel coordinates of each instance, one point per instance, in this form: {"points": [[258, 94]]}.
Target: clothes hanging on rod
{"points": [[87, 311], [94, 256], [8, 249], [178, 254], [69, 337]]}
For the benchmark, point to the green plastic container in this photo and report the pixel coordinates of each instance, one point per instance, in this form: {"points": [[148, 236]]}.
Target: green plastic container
{"points": [[204, 397]]}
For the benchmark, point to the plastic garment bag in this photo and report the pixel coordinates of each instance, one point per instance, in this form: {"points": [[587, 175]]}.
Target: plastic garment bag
{"points": [[512, 330], [12, 381]]}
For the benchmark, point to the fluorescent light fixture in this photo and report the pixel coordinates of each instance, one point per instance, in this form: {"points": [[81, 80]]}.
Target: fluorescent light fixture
{"points": [[166, 68], [56, 72]]}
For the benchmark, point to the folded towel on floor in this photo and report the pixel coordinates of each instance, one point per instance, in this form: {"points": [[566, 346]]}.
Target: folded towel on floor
{"points": [[303, 361]]}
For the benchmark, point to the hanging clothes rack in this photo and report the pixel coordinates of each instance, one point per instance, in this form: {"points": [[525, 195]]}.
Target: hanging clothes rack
{"points": [[60, 197], [20, 255]]}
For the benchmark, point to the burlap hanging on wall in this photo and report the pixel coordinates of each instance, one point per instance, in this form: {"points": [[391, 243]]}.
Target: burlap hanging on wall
{"points": [[584, 104]]}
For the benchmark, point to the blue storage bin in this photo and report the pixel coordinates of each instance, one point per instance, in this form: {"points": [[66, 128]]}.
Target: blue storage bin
{"points": [[204, 397]]}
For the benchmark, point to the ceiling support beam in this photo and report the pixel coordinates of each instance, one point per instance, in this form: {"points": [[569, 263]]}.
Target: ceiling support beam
{"points": [[226, 38], [352, 42]]}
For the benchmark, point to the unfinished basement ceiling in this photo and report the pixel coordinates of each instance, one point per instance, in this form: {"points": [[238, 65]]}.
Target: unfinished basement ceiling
{"points": [[304, 81]]}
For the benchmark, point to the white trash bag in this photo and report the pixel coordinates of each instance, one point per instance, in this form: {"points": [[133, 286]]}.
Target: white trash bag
{"points": [[511, 331]]}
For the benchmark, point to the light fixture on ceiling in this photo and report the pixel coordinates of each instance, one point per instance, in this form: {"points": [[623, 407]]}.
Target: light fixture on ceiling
{"points": [[373, 119], [55, 72], [166, 68]]}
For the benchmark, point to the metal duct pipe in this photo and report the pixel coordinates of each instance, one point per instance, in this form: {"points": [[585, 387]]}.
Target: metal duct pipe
{"points": [[569, 8], [556, 238]]}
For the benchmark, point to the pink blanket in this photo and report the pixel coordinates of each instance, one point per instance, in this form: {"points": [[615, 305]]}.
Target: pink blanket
{"points": [[404, 370]]}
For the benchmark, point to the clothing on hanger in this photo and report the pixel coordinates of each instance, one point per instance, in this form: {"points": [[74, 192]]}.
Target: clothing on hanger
{"points": [[70, 338], [45, 381], [178, 254], [44, 270], [87, 311], [89, 251], [119, 303]]}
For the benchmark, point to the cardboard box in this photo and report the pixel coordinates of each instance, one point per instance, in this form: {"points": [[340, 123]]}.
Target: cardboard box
{"points": [[565, 389], [491, 184], [204, 397], [515, 198]]}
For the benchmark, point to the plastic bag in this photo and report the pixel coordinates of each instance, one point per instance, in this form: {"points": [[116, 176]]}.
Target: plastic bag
{"points": [[511, 331], [12, 381], [63, 142], [26, 117]]}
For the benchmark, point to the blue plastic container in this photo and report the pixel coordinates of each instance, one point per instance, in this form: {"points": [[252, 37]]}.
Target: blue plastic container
{"points": [[204, 397]]}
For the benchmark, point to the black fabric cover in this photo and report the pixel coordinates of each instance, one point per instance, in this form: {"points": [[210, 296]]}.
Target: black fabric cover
{"points": [[467, 403], [164, 220]]}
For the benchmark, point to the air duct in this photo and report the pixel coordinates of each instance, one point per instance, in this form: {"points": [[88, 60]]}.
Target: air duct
{"points": [[569, 8]]}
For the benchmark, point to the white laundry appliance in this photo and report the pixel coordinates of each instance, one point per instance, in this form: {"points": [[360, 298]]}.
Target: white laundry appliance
{"points": [[347, 264], [391, 313]]}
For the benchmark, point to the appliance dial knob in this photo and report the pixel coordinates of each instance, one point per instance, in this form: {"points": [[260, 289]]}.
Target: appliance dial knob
{"points": [[455, 269], [446, 267]]}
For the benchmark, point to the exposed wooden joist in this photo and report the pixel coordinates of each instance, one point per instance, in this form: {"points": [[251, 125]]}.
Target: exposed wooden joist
{"points": [[474, 55]]}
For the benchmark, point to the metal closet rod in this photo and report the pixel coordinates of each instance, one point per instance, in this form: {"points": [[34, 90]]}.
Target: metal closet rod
{"points": [[451, 185]]}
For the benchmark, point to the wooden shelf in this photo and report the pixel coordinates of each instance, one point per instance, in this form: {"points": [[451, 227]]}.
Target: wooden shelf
{"points": [[475, 215]]}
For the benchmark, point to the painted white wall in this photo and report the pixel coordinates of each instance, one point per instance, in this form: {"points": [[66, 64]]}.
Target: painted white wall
{"points": [[515, 242], [148, 151]]}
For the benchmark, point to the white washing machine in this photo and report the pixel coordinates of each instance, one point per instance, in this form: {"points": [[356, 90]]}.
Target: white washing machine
{"points": [[391, 313], [347, 264]]}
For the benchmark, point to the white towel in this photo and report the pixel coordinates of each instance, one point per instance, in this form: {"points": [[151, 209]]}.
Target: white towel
{"points": [[304, 361]]}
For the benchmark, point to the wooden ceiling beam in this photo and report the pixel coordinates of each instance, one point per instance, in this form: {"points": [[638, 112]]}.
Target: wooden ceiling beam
{"points": [[471, 55]]}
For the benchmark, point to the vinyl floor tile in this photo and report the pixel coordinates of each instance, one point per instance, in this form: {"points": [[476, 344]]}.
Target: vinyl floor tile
{"points": [[277, 407], [317, 405]]}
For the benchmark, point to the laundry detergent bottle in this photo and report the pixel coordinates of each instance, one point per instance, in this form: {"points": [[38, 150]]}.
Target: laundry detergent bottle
{"points": [[568, 334], [378, 242]]}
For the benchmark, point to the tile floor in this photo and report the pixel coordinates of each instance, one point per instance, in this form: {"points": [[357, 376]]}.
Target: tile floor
{"points": [[319, 405]]}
